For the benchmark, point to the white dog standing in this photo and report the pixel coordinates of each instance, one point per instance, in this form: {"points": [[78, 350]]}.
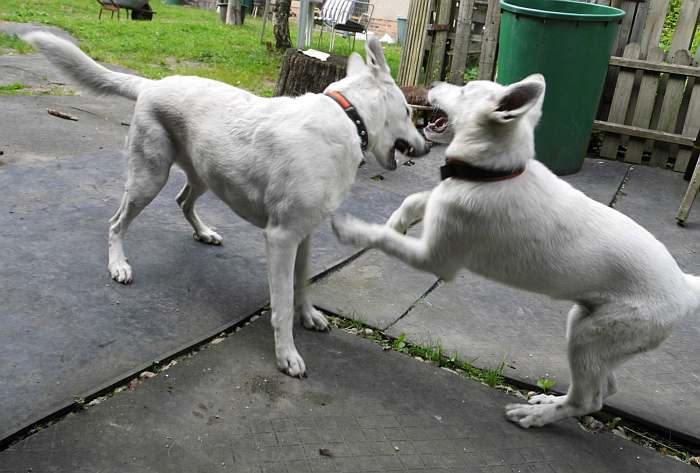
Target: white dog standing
{"points": [[284, 164], [505, 216]]}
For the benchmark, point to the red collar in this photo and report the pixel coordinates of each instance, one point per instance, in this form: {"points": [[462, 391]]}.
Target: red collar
{"points": [[468, 172], [351, 112]]}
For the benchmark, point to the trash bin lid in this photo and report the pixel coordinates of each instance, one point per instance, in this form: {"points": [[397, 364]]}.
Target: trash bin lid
{"points": [[563, 10]]}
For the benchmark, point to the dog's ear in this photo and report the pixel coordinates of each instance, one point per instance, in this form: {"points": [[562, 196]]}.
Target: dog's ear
{"points": [[375, 57], [519, 98], [356, 65]]}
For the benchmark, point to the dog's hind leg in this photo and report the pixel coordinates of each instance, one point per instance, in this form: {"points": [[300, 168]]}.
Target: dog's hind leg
{"points": [[576, 313], [311, 318], [281, 253], [186, 200], [148, 169], [599, 341]]}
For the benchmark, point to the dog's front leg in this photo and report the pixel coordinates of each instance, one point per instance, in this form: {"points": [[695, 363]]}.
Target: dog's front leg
{"points": [[411, 210], [417, 252], [311, 318], [281, 254]]}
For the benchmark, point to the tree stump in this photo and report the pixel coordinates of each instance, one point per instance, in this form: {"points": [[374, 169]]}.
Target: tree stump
{"points": [[301, 74]]}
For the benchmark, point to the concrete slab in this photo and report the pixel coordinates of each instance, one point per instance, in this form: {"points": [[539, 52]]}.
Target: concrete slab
{"points": [[29, 134], [228, 409], [492, 324], [599, 179], [414, 175], [67, 328], [374, 289]]}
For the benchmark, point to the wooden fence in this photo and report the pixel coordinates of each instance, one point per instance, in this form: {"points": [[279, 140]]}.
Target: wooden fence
{"points": [[438, 32], [654, 115]]}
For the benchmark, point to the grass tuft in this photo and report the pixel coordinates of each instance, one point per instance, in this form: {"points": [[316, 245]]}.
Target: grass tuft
{"points": [[432, 352], [13, 43]]}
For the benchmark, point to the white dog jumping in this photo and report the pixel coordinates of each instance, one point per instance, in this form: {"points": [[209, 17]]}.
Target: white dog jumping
{"points": [[284, 164], [505, 216]]}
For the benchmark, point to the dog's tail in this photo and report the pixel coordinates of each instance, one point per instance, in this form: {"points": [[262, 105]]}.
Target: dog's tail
{"points": [[71, 60]]}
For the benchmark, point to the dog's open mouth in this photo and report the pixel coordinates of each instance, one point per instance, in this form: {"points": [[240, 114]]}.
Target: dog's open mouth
{"points": [[438, 126], [402, 147]]}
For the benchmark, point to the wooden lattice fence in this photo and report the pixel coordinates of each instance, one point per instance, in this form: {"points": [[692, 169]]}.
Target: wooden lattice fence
{"points": [[654, 113]]}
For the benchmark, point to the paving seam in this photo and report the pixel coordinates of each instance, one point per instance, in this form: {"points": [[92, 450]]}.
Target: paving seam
{"points": [[619, 192], [56, 414], [650, 426], [415, 303]]}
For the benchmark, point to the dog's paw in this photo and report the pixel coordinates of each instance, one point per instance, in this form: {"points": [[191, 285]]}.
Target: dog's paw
{"points": [[545, 399], [396, 223], [351, 230], [313, 319], [526, 415], [120, 271], [209, 237], [291, 363]]}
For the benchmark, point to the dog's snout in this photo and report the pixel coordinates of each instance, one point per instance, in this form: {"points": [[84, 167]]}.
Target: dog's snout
{"points": [[412, 151], [422, 150]]}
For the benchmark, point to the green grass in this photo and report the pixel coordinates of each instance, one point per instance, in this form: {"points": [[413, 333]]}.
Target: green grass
{"points": [[13, 43], [180, 40], [431, 352], [674, 11], [24, 89], [12, 87]]}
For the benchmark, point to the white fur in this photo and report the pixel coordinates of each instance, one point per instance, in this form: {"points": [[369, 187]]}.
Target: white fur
{"points": [[284, 164], [538, 233]]}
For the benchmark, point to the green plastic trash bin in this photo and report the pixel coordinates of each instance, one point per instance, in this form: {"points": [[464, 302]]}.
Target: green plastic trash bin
{"points": [[569, 43]]}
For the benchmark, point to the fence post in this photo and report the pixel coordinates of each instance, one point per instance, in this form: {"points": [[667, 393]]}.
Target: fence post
{"points": [[462, 39], [489, 44]]}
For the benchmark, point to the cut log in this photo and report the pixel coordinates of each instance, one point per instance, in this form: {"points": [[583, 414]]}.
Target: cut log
{"points": [[301, 74]]}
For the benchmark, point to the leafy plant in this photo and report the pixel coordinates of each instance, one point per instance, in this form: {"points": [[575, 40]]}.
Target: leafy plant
{"points": [[545, 384], [670, 24], [400, 343]]}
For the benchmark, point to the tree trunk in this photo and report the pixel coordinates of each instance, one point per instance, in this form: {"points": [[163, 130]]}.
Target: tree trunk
{"points": [[233, 13], [283, 40], [301, 73]]}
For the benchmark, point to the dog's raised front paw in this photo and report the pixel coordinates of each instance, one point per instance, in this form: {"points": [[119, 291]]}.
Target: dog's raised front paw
{"points": [[397, 223], [209, 237], [120, 271], [526, 415], [291, 363], [351, 230], [313, 319]]}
